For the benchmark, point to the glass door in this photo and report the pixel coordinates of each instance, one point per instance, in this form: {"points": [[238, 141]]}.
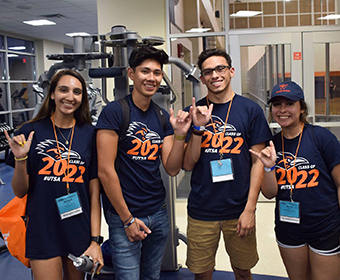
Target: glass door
{"points": [[261, 61], [321, 67]]}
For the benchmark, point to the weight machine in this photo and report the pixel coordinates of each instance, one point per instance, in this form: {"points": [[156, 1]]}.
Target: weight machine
{"points": [[114, 64]]}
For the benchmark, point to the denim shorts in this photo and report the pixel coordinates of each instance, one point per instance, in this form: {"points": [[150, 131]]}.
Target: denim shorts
{"points": [[140, 259]]}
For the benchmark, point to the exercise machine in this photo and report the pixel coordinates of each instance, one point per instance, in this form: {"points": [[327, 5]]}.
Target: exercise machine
{"points": [[115, 49]]}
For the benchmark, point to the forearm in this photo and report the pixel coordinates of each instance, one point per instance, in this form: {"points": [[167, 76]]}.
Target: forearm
{"points": [[95, 207], [20, 179], [256, 175], [192, 152], [175, 158], [269, 187], [112, 188]]}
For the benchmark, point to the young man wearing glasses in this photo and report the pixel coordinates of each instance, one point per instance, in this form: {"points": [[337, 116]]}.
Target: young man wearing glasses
{"points": [[226, 178]]}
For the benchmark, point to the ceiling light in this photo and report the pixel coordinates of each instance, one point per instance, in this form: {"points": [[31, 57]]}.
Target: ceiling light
{"points": [[17, 48], [246, 14], [330, 17], [39, 22], [199, 30], [77, 34], [12, 55]]}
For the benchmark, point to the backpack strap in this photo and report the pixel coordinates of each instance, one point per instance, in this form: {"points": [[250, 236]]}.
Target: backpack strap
{"points": [[124, 125], [160, 116]]}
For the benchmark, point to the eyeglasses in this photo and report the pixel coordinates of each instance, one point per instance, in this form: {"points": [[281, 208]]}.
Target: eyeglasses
{"points": [[220, 69]]}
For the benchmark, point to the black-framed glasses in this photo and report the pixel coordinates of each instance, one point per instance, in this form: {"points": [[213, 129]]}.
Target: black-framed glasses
{"points": [[220, 69]]}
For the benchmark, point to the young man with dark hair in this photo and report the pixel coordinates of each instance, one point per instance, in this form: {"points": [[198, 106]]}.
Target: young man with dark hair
{"points": [[134, 199], [226, 178]]}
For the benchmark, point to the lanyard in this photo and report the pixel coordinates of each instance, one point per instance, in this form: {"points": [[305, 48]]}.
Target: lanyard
{"points": [[225, 125], [284, 161], [69, 150]]}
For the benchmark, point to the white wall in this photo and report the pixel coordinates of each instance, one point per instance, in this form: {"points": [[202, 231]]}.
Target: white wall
{"points": [[43, 48]]}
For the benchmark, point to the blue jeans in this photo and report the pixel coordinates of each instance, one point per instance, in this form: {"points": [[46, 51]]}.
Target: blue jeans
{"points": [[140, 259]]}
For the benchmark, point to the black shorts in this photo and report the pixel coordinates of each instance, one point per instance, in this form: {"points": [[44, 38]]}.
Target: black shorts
{"points": [[326, 245]]}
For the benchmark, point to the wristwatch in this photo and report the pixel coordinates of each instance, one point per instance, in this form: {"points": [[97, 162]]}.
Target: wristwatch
{"points": [[99, 239]]}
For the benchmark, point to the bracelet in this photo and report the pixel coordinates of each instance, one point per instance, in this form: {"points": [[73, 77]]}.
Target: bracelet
{"points": [[127, 219], [269, 169], [199, 128], [130, 223], [179, 137], [20, 159], [197, 132]]}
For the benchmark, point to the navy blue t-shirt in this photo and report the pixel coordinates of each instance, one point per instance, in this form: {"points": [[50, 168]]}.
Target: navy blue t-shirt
{"points": [[47, 235], [246, 127], [313, 186], [138, 160]]}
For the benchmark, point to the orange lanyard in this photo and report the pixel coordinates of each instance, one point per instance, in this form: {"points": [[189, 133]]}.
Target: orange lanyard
{"points": [[284, 161], [225, 125], [69, 151]]}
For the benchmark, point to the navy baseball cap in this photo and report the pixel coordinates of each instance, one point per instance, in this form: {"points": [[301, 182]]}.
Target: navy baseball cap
{"points": [[290, 90]]}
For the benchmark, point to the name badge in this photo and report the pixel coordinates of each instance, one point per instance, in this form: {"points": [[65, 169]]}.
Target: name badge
{"points": [[69, 205], [289, 212], [222, 170]]}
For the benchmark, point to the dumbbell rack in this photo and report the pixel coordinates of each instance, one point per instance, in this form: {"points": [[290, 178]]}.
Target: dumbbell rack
{"points": [[3, 141]]}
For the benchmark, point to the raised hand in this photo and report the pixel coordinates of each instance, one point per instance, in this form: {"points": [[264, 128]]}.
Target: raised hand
{"points": [[181, 123], [200, 114], [18, 144], [267, 155]]}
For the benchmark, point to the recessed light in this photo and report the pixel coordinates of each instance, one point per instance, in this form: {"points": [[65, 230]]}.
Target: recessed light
{"points": [[77, 34], [199, 30], [17, 48], [330, 17], [39, 22], [246, 14]]}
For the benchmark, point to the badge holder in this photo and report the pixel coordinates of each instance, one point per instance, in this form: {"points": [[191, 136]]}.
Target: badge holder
{"points": [[222, 170], [289, 211], [69, 205]]}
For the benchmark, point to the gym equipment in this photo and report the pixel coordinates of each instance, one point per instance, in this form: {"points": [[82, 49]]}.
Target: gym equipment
{"points": [[114, 65]]}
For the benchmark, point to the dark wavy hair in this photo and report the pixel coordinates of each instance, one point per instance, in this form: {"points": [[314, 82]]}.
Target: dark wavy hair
{"points": [[139, 55], [212, 52], [303, 116], [82, 114]]}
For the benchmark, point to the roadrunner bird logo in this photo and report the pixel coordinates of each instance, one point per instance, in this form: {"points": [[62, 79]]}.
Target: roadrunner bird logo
{"points": [[49, 148], [140, 131], [218, 123]]}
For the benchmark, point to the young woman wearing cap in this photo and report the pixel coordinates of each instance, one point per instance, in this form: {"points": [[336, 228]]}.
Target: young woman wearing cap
{"points": [[302, 166], [56, 165]]}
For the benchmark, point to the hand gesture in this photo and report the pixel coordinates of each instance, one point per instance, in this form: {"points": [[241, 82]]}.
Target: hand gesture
{"points": [[137, 231], [18, 144], [200, 114], [267, 155], [181, 123]]}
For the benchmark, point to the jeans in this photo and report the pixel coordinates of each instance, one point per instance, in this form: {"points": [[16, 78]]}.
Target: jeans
{"points": [[140, 259]]}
